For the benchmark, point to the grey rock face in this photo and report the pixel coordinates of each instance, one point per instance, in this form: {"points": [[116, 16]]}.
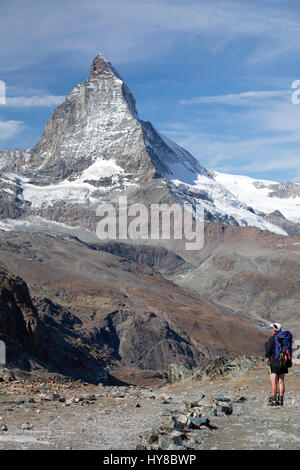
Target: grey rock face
{"points": [[97, 120], [13, 159], [19, 323], [278, 219], [284, 190]]}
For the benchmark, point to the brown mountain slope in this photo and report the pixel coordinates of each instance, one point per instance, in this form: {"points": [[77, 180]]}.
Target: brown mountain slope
{"points": [[254, 273], [119, 312]]}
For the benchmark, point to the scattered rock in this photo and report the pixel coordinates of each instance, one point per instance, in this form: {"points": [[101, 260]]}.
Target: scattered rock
{"points": [[199, 397], [194, 423], [211, 410], [176, 429], [149, 438], [166, 441], [227, 409], [225, 399], [240, 400], [166, 398], [27, 426], [6, 375]]}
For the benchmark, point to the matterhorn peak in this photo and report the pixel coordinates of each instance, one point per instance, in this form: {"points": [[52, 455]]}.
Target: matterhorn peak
{"points": [[95, 144], [101, 66]]}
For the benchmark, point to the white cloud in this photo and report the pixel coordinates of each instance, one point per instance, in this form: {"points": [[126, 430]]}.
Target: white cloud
{"points": [[2, 92], [10, 129], [282, 118], [257, 156], [247, 98], [31, 101], [260, 136], [260, 139]]}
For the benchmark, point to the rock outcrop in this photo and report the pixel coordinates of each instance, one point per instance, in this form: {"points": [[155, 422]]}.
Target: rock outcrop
{"points": [[278, 219], [217, 367], [19, 323]]}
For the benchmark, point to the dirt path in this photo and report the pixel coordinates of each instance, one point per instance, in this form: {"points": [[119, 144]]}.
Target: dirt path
{"points": [[253, 424], [90, 417]]}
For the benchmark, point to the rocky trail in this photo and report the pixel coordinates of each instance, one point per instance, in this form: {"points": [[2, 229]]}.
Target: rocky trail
{"points": [[231, 409]]}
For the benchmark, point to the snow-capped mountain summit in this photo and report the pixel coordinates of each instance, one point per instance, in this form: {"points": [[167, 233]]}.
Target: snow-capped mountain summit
{"points": [[95, 146], [97, 120]]}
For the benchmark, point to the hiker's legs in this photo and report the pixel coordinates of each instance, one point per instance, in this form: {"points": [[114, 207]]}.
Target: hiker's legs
{"points": [[274, 383], [281, 384]]}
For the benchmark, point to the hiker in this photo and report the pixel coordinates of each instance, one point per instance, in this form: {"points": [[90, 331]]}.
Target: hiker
{"points": [[279, 353]]}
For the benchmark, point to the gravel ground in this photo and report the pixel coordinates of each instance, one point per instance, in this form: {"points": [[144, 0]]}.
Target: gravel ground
{"points": [[79, 416]]}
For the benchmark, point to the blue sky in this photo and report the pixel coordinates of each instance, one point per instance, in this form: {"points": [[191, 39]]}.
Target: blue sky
{"points": [[214, 76]]}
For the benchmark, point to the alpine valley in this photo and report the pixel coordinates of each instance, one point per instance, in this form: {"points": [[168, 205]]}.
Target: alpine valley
{"points": [[120, 310]]}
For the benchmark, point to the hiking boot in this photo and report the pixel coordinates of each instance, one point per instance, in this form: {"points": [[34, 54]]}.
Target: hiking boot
{"points": [[272, 401], [280, 400]]}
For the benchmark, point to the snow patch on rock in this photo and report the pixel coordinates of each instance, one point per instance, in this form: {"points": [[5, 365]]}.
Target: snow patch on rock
{"points": [[101, 169]]}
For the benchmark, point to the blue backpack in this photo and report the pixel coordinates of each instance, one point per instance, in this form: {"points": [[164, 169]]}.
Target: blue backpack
{"points": [[283, 347]]}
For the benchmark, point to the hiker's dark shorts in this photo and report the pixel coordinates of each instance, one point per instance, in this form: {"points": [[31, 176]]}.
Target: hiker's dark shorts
{"points": [[276, 368]]}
